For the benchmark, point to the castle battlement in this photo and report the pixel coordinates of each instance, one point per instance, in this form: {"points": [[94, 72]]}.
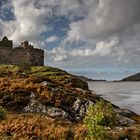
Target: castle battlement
{"points": [[23, 54], [6, 43]]}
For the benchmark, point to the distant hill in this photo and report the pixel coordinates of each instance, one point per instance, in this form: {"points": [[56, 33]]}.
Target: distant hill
{"points": [[135, 77], [85, 78], [88, 79]]}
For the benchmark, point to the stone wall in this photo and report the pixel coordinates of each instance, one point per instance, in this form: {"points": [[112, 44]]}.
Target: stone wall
{"points": [[24, 54], [20, 56]]}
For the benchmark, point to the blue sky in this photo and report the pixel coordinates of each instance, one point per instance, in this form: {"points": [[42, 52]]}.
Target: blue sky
{"points": [[95, 38]]}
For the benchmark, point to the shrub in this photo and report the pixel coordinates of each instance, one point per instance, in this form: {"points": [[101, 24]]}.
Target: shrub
{"points": [[2, 113], [98, 116]]}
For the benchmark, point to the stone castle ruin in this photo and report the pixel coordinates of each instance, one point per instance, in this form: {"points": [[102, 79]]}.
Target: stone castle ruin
{"points": [[21, 55]]}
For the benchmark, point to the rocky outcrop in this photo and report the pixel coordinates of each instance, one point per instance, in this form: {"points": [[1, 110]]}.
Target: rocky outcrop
{"points": [[74, 113], [34, 106], [80, 108], [124, 120]]}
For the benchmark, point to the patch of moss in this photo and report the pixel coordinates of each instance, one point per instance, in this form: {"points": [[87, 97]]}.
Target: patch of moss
{"points": [[2, 113], [36, 69]]}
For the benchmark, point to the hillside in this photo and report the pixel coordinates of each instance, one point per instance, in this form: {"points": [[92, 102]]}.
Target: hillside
{"points": [[43, 103], [85, 78], [135, 77], [89, 79]]}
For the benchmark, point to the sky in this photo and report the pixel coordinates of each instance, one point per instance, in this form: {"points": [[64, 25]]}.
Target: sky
{"points": [[99, 39]]}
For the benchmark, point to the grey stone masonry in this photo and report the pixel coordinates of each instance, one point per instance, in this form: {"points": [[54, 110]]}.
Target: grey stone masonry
{"points": [[24, 54]]}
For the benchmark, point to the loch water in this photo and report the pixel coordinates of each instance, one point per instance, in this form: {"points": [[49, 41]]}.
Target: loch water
{"points": [[126, 95]]}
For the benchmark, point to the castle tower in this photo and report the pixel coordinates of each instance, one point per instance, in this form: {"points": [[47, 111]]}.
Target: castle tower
{"points": [[26, 45], [6, 43]]}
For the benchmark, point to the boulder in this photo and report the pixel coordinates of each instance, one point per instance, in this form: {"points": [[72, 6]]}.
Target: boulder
{"points": [[124, 121], [34, 106], [80, 108], [56, 112]]}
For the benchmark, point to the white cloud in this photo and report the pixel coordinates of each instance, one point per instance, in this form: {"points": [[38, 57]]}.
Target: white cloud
{"points": [[108, 29], [61, 57], [103, 48], [31, 17], [52, 39], [59, 54], [7, 28], [105, 19], [30, 20]]}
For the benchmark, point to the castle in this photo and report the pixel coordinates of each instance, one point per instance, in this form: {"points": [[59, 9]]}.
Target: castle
{"points": [[23, 54]]}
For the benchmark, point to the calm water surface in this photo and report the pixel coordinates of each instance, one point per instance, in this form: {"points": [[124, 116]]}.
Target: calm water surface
{"points": [[123, 94]]}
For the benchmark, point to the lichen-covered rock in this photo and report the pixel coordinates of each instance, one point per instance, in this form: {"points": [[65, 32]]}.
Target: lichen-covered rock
{"points": [[80, 108], [123, 112], [124, 121], [56, 112], [34, 106], [45, 83]]}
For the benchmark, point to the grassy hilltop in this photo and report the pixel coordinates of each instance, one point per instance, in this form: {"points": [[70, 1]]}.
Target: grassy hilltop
{"points": [[46, 103]]}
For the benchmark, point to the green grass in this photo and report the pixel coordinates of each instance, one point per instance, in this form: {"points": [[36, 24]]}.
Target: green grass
{"points": [[12, 68], [35, 69], [32, 70]]}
